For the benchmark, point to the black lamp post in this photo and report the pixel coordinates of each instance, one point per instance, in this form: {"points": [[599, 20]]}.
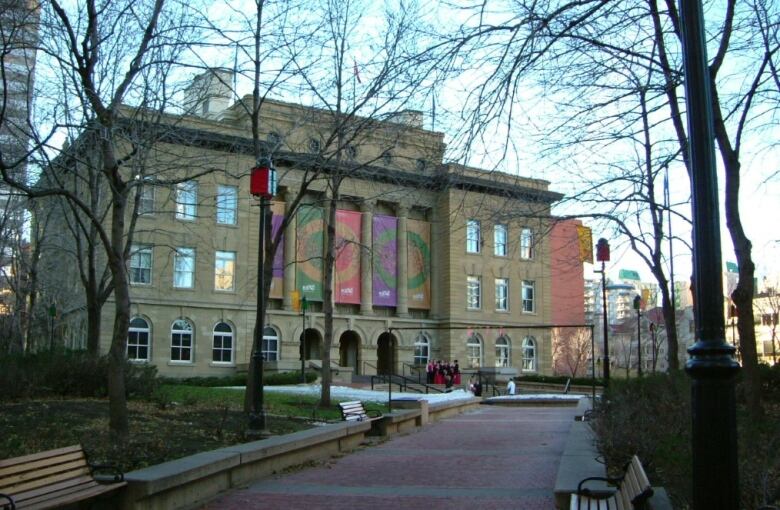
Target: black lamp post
{"points": [[637, 307], [602, 255], [304, 306], [711, 364], [263, 185]]}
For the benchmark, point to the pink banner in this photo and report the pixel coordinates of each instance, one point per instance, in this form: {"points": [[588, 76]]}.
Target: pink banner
{"points": [[347, 273]]}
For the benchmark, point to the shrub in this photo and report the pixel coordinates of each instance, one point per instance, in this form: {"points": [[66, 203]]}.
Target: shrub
{"points": [[65, 373], [273, 379]]}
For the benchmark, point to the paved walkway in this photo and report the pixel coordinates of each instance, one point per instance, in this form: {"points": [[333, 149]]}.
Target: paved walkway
{"points": [[492, 458]]}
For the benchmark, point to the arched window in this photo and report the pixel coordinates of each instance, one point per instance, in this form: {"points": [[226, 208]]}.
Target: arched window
{"points": [[474, 351], [138, 340], [222, 345], [270, 347], [181, 340], [503, 352], [529, 354], [422, 350]]}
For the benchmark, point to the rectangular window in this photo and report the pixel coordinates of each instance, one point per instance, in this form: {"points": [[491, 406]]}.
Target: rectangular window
{"points": [[222, 350], [187, 200], [146, 198], [528, 297], [141, 265], [270, 347], [473, 236], [184, 268], [499, 241], [526, 244], [227, 204], [502, 294], [224, 270], [473, 293]]}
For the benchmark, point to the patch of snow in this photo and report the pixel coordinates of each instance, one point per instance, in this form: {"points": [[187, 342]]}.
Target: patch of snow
{"points": [[347, 393], [539, 396]]}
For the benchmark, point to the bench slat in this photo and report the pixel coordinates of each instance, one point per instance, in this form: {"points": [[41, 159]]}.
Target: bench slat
{"points": [[47, 476], [22, 467], [41, 455], [88, 493], [634, 484]]}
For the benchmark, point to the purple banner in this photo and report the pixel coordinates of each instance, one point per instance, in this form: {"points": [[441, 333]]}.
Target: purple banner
{"points": [[277, 267], [385, 274]]}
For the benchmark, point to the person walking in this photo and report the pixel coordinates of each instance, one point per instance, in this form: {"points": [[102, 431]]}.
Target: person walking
{"points": [[510, 387]]}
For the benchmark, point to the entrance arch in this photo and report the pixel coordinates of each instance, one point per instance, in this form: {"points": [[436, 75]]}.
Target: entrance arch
{"points": [[386, 347], [311, 344], [349, 350]]}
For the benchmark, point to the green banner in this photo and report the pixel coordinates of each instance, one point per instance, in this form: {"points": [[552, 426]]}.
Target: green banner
{"points": [[310, 232]]}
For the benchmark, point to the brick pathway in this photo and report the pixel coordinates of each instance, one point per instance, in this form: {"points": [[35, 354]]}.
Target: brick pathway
{"points": [[492, 458]]}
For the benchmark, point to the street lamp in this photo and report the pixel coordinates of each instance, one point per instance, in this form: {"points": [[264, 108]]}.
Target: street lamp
{"points": [[602, 255], [637, 306], [262, 184], [304, 306]]}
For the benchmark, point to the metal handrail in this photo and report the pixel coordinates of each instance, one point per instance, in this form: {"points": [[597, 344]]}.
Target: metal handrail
{"points": [[413, 368]]}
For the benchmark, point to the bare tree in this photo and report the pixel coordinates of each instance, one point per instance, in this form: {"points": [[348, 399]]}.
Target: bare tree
{"points": [[95, 58], [572, 351]]}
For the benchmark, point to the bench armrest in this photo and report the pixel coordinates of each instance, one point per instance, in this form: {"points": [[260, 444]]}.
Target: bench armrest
{"points": [[7, 506], [106, 473], [373, 413], [597, 495]]}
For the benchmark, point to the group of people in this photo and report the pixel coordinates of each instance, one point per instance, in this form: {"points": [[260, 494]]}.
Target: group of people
{"points": [[443, 372]]}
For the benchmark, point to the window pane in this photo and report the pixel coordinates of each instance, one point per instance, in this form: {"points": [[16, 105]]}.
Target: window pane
{"points": [[529, 354], [474, 352], [184, 268], [141, 265], [528, 296], [499, 241], [472, 236], [222, 344], [502, 294], [146, 200], [181, 341], [270, 345], [138, 340], [224, 270], [421, 350], [227, 203], [473, 292], [526, 244], [186, 200]]}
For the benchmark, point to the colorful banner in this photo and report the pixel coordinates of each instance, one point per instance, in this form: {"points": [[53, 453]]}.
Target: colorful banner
{"points": [[347, 273], [277, 278], [308, 274], [585, 238], [418, 235], [385, 274]]}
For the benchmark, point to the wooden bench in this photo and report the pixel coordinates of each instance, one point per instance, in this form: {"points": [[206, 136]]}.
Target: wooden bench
{"points": [[354, 411], [53, 479], [633, 490]]}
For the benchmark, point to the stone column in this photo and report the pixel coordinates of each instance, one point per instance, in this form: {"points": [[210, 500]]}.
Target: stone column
{"points": [[290, 243], [366, 266], [402, 309]]}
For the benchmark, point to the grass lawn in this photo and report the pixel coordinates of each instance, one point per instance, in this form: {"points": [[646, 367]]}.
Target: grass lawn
{"points": [[179, 421]]}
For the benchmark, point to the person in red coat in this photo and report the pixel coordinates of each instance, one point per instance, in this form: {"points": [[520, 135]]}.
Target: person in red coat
{"points": [[456, 373]]}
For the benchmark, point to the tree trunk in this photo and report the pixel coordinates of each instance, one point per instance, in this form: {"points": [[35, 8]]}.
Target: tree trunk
{"points": [[117, 398], [743, 293], [327, 296], [94, 309]]}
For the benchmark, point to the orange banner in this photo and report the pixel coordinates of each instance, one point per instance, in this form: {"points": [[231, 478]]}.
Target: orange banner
{"points": [[347, 271]]}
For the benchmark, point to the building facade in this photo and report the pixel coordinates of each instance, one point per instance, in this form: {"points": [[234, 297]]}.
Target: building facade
{"points": [[434, 260]]}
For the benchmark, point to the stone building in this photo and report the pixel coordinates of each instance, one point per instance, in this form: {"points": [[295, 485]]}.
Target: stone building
{"points": [[435, 260]]}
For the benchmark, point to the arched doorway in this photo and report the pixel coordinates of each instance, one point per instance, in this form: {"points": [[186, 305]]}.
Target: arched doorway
{"points": [[349, 350], [311, 344], [385, 353]]}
